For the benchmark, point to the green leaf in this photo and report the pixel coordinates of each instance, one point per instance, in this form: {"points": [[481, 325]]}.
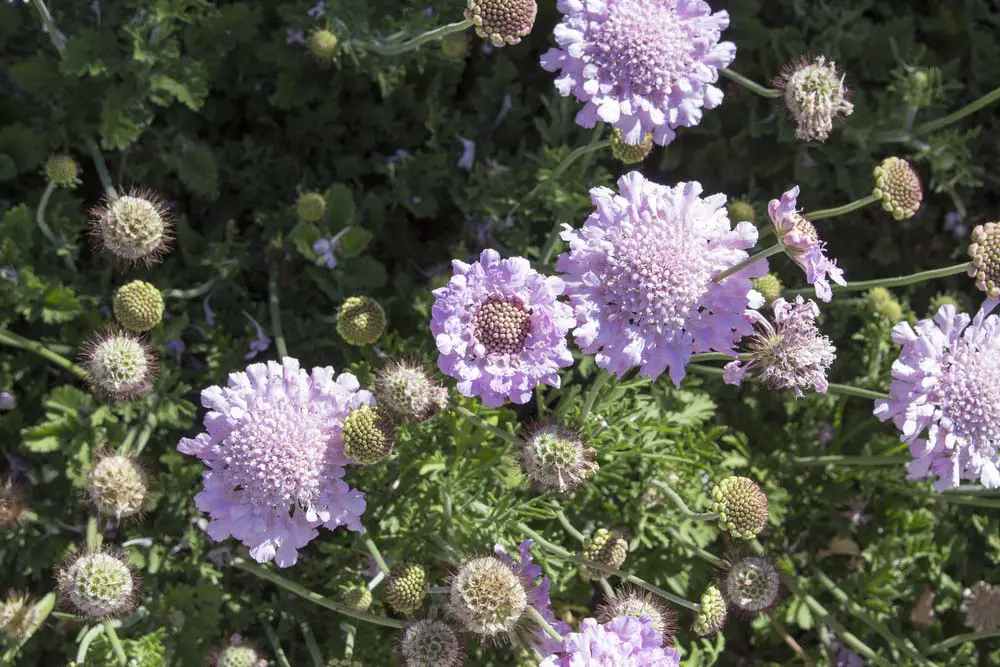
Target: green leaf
{"points": [[339, 206], [88, 50], [123, 119], [353, 242], [165, 90], [60, 305], [195, 165]]}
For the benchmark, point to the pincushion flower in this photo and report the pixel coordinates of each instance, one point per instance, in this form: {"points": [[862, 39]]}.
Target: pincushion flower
{"points": [[500, 330], [623, 642], [639, 276], [944, 396], [801, 242], [275, 457], [536, 585], [640, 65]]}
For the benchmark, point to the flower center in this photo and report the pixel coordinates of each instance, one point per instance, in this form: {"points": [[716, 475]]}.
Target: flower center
{"points": [[795, 222], [970, 394], [502, 324]]}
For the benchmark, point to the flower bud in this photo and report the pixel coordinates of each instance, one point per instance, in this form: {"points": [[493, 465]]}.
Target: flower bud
{"points": [[117, 486], [556, 458], [138, 306], [132, 228], [99, 585], [406, 588], [946, 299], [742, 507], [604, 547], [740, 210], [63, 171], [985, 254], [323, 46], [406, 390], [17, 617], [712, 615], [430, 643], [898, 186], [361, 321], [881, 302], [751, 584], [310, 206], [488, 598], [357, 597], [369, 435], [638, 603], [630, 153], [119, 364], [814, 94], [502, 21], [769, 286]]}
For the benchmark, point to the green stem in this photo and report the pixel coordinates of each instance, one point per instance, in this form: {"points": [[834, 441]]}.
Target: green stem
{"points": [[595, 389], [794, 645], [577, 154], [840, 210], [972, 490], [419, 40], [14, 340], [681, 505], [94, 536], [376, 554], [834, 388], [897, 281], [960, 639], [709, 558], [569, 527], [594, 145], [193, 293], [349, 632], [537, 617], [85, 642], [500, 433], [102, 169], [860, 461], [711, 356], [311, 646], [116, 644], [763, 254], [139, 433], [303, 592], [985, 100], [50, 25], [752, 86], [275, 305], [43, 204], [272, 639]]}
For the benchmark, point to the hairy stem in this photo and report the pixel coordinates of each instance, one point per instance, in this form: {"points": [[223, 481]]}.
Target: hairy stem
{"points": [[94, 535], [794, 645], [418, 41], [681, 505], [763, 254], [376, 554], [43, 226], [272, 639], [14, 340], [750, 85], [834, 388], [961, 639], [859, 461], [897, 281], [840, 210]]}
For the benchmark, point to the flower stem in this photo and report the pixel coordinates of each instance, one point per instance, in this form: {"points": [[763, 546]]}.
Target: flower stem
{"points": [[349, 632], [794, 645], [984, 101], [681, 505], [50, 25], [752, 86], [763, 254], [102, 169], [43, 226], [275, 306], [840, 210], [897, 281], [376, 554], [537, 617], [569, 527], [859, 461], [419, 40], [12, 339], [192, 293], [500, 433], [960, 639], [94, 536], [84, 646], [311, 646], [711, 356], [376, 580], [272, 639], [709, 558], [595, 389], [303, 592], [834, 388], [116, 644]]}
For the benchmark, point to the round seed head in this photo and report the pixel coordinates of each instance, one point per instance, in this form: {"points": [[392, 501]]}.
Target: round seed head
{"points": [[138, 306], [120, 365], [637, 603], [407, 391], [17, 617], [742, 507], [985, 254], [898, 186], [455, 45], [405, 588], [751, 584], [981, 605], [369, 435], [881, 302], [99, 585], [430, 643], [361, 321], [741, 210], [556, 458], [712, 615], [310, 206], [323, 46], [604, 547], [769, 286], [117, 486], [630, 153], [502, 21], [132, 228], [12, 503], [63, 171], [488, 598], [357, 597]]}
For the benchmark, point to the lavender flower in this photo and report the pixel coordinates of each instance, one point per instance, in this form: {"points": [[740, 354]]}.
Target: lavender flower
{"points": [[326, 249], [536, 585], [944, 396], [802, 243], [262, 342], [641, 65], [398, 157], [468, 157], [791, 353], [206, 308], [293, 36], [624, 642], [639, 276], [275, 457], [500, 330], [317, 11]]}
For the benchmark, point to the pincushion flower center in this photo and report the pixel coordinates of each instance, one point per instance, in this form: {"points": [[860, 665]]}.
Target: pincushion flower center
{"points": [[502, 324], [795, 222], [970, 396]]}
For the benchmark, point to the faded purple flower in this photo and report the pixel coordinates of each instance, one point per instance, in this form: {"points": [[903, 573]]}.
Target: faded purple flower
{"points": [[295, 36], [398, 157], [536, 585], [944, 396], [177, 347], [262, 342], [468, 157], [10, 274], [326, 249], [275, 458], [7, 401], [639, 276], [955, 223], [643, 66], [622, 642], [318, 10], [206, 308], [500, 329], [801, 242]]}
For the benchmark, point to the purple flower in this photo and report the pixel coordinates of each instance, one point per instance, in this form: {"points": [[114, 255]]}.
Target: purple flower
{"points": [[398, 157], [622, 642], [207, 310], [275, 457], [325, 249], [954, 222], [944, 396], [7, 401], [468, 157], [791, 353], [639, 276], [261, 344], [500, 330], [295, 36], [536, 585], [10, 274], [848, 658], [177, 346], [317, 11], [641, 65], [803, 245]]}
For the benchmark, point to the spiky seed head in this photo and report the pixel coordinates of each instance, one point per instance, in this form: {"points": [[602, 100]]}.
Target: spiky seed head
{"points": [[712, 615], [138, 306], [751, 584], [605, 547], [814, 94], [881, 302], [981, 604], [357, 597], [406, 588], [117, 486], [407, 391], [769, 286], [310, 206], [12, 503], [502, 21], [239, 656], [369, 435], [323, 46], [742, 507], [898, 186], [119, 364], [63, 171], [132, 228], [946, 299], [985, 254], [99, 584], [741, 210], [556, 458], [630, 153], [431, 643], [455, 45], [17, 617], [488, 598], [637, 603], [361, 321]]}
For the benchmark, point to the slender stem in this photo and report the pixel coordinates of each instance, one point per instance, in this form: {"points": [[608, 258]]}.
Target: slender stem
{"points": [[193, 293], [606, 587], [752, 86], [709, 558], [14, 340], [986, 100], [418, 41], [595, 389], [960, 639], [783, 631], [681, 505], [569, 527], [43, 204], [275, 305], [116, 644], [971, 490], [376, 554], [763, 254], [834, 388], [311, 645], [840, 210], [272, 639], [897, 281], [50, 25], [376, 580], [102, 169], [140, 432], [500, 433], [860, 461], [349, 632], [94, 536], [576, 155], [85, 642], [711, 356], [303, 592], [537, 617]]}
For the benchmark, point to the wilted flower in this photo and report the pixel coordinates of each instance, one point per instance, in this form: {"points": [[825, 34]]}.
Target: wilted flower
{"points": [[132, 228], [99, 584], [502, 21], [898, 186], [984, 251], [138, 306], [623, 641], [326, 249], [488, 597], [751, 584], [801, 242], [637, 603], [640, 66], [261, 343], [609, 548], [536, 585], [17, 617], [405, 389], [814, 94], [981, 605], [431, 643], [119, 365], [238, 653], [556, 458]]}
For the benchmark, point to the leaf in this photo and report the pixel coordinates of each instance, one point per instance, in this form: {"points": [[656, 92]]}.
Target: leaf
{"points": [[123, 119], [339, 206], [165, 89], [88, 52], [195, 165], [60, 305], [353, 242]]}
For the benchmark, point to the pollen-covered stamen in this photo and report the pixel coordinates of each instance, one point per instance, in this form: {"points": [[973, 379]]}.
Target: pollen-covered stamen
{"points": [[502, 324], [985, 254]]}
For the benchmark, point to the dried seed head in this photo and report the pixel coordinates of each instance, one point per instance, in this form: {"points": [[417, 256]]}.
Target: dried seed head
{"points": [[369, 435], [119, 364], [740, 210], [712, 615], [99, 585], [132, 228], [430, 643], [637, 603], [769, 286], [406, 588], [323, 46], [361, 321], [881, 302], [310, 206], [742, 507], [488, 598], [17, 617], [117, 486], [556, 458], [138, 306], [751, 584], [981, 605], [985, 254], [357, 597], [814, 94], [406, 390], [63, 171], [502, 21], [604, 547], [630, 153], [898, 186]]}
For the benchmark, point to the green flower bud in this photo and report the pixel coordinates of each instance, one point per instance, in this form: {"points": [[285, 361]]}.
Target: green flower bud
{"points": [[138, 306], [361, 321], [310, 206], [604, 547], [630, 153], [881, 302], [369, 435], [63, 171], [985, 254], [406, 588], [323, 45], [357, 597], [712, 615], [769, 286], [946, 299], [742, 507], [741, 210]]}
